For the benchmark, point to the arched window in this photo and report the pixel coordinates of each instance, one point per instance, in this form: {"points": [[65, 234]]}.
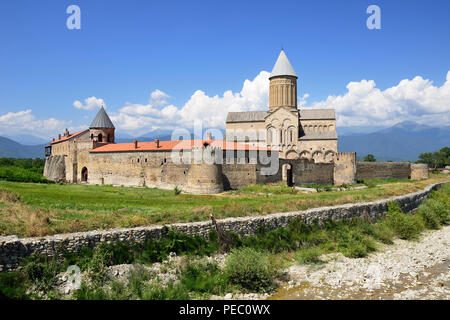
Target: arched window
{"points": [[100, 137]]}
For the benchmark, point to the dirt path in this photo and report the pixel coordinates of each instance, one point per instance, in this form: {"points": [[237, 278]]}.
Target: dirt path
{"points": [[404, 270]]}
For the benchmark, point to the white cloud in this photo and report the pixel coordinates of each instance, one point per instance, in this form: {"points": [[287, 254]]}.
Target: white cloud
{"points": [[90, 104], [24, 122], [212, 110], [415, 100], [362, 105], [158, 97]]}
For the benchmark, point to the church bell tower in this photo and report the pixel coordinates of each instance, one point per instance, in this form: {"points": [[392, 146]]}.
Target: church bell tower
{"points": [[102, 128], [283, 84]]}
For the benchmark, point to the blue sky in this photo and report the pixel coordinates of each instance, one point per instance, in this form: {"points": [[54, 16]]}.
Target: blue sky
{"points": [[126, 50]]}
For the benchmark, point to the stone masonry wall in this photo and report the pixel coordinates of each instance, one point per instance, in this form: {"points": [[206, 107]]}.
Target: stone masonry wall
{"points": [[13, 249], [55, 168], [344, 168], [383, 170], [306, 171], [419, 171]]}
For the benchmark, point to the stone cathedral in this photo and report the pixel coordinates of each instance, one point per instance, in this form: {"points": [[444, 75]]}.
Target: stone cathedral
{"points": [[296, 134]]}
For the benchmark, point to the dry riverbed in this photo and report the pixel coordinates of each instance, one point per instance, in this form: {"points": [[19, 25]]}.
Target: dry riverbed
{"points": [[405, 270]]}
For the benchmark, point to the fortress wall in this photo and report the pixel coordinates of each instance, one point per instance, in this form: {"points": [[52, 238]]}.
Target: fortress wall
{"points": [[13, 249], [236, 176], [419, 171], [383, 170], [306, 171], [151, 169], [55, 168], [156, 169], [344, 168], [242, 169]]}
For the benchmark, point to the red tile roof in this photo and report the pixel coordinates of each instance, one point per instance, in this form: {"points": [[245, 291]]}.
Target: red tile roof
{"points": [[174, 145], [73, 135]]}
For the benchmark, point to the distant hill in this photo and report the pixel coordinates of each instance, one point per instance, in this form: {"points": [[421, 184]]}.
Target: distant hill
{"points": [[402, 142], [27, 139], [12, 149]]}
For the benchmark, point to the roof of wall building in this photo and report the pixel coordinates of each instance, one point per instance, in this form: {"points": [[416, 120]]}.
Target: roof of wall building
{"points": [[283, 67], [248, 116], [101, 120], [73, 135], [175, 145], [317, 114]]}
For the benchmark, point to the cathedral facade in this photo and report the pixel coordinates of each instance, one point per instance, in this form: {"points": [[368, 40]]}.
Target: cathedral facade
{"points": [[295, 134]]}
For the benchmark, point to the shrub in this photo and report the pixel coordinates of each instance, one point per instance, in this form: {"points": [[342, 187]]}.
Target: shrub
{"points": [[42, 271], [22, 175], [440, 208], [404, 226], [177, 191], [13, 285], [249, 269], [204, 277], [384, 233], [429, 216], [308, 255]]}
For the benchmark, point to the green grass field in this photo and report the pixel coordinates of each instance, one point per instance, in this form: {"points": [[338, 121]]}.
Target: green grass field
{"points": [[28, 209]]}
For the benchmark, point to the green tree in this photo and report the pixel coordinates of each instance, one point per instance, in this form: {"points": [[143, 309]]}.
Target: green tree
{"points": [[427, 158], [437, 159], [370, 158]]}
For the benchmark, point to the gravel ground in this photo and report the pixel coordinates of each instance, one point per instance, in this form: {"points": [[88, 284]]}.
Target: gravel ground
{"points": [[404, 270]]}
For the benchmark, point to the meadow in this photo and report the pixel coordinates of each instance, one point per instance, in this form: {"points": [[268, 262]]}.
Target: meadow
{"points": [[31, 209]]}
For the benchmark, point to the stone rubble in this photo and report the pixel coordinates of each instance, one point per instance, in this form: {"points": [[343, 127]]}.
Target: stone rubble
{"points": [[404, 270]]}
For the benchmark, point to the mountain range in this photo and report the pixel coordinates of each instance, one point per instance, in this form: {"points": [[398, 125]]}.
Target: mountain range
{"points": [[12, 149], [401, 142]]}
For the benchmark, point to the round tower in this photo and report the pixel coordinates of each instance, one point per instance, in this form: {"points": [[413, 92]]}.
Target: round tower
{"points": [[204, 177], [283, 84], [102, 128]]}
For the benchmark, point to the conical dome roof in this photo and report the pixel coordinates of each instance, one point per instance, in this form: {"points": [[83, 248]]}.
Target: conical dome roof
{"points": [[101, 120], [283, 67]]}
